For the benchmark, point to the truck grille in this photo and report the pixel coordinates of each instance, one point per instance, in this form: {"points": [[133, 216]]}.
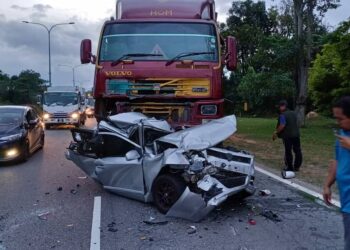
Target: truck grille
{"points": [[60, 115], [167, 87]]}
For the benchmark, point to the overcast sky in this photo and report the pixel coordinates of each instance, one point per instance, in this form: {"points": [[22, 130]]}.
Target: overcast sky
{"points": [[25, 46]]}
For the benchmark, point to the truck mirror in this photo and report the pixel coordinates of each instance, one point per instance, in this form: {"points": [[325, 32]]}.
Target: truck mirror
{"points": [[85, 51], [231, 50]]}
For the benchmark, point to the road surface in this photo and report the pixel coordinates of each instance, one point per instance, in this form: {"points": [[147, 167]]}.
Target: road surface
{"points": [[48, 203]]}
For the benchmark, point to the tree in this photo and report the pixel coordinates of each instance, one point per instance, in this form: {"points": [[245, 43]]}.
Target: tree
{"points": [[21, 89], [329, 77], [304, 22]]}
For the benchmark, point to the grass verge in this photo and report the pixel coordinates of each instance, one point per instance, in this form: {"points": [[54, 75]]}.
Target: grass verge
{"points": [[317, 142]]}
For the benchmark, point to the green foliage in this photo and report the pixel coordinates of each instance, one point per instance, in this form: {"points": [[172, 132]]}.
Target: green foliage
{"points": [[21, 89], [263, 90], [330, 74]]}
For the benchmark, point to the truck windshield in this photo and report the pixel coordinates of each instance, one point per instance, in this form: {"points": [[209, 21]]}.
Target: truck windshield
{"points": [[60, 99], [165, 39]]}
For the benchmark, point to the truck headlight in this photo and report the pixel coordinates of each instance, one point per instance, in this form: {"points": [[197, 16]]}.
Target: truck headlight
{"points": [[209, 109], [74, 115], [46, 116]]}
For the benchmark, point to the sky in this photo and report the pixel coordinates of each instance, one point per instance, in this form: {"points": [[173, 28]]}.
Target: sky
{"points": [[25, 46]]}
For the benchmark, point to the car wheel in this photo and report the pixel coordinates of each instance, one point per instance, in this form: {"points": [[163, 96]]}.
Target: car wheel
{"points": [[25, 152], [166, 190], [42, 141]]}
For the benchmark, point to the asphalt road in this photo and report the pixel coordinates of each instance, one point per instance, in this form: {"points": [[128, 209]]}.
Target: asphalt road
{"points": [[36, 214]]}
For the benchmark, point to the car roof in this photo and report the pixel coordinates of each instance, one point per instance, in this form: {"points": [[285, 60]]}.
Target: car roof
{"points": [[15, 107]]}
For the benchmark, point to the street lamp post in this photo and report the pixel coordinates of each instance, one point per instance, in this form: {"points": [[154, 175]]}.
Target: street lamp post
{"points": [[49, 34], [73, 70]]}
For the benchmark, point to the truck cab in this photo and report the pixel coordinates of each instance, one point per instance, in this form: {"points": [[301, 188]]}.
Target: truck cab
{"points": [[63, 105], [162, 58]]}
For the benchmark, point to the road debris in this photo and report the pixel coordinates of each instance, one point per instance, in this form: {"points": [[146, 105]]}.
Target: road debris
{"points": [[233, 230], [82, 177], [192, 230], [73, 191], [47, 193], [78, 185], [111, 227], [270, 215], [155, 222], [264, 192], [70, 225], [43, 216], [59, 189], [143, 238], [252, 222]]}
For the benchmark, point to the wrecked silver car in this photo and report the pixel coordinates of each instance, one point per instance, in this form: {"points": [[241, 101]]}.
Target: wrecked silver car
{"points": [[183, 173]]}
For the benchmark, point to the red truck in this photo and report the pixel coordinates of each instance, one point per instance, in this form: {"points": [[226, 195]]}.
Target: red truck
{"points": [[163, 58]]}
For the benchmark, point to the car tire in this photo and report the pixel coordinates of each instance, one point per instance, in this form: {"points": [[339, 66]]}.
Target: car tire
{"points": [[166, 190], [42, 141], [25, 152]]}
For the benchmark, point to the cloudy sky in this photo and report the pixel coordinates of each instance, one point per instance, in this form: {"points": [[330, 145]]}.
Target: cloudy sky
{"points": [[25, 46]]}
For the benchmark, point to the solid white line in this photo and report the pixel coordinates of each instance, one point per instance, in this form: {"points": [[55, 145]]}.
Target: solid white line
{"points": [[96, 224], [295, 185]]}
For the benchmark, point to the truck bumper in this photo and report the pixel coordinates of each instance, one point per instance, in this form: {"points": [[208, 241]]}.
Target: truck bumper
{"points": [[61, 121]]}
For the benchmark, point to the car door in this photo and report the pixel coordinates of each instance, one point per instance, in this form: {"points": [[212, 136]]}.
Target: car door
{"points": [[38, 129], [30, 129], [117, 172], [34, 128]]}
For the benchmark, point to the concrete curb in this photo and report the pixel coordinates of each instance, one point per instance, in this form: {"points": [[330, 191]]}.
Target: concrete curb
{"points": [[295, 185]]}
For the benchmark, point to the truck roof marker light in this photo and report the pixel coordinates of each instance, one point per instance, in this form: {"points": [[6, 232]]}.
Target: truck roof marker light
{"points": [[119, 10]]}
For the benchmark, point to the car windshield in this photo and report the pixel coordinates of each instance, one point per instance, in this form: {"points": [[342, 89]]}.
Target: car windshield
{"points": [[10, 116], [60, 99], [165, 39]]}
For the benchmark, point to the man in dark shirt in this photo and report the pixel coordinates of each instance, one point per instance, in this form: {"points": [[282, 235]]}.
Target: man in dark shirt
{"points": [[288, 130]]}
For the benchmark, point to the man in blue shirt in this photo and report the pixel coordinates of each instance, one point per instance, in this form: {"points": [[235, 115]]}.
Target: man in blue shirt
{"points": [[339, 169]]}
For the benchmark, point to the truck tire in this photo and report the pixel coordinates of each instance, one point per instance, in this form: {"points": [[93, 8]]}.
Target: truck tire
{"points": [[166, 190]]}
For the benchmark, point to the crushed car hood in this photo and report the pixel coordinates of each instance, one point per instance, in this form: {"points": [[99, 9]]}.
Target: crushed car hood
{"points": [[203, 136]]}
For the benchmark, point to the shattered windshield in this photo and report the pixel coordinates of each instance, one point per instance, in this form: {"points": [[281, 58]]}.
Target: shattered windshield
{"points": [[165, 39], [60, 99], [10, 116]]}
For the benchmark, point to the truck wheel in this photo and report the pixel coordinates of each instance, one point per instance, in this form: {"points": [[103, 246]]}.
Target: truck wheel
{"points": [[166, 190]]}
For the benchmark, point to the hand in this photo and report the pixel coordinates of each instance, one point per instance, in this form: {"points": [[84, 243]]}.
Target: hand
{"points": [[344, 141], [327, 195], [274, 136]]}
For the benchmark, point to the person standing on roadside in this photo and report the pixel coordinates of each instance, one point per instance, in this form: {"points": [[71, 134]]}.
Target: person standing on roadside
{"points": [[288, 130], [339, 169]]}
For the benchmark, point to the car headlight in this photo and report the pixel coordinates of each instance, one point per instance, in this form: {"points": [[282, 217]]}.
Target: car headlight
{"points": [[46, 116], [74, 115], [11, 137], [209, 109]]}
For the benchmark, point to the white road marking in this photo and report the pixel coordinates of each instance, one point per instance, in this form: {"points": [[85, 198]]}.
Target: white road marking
{"points": [[96, 224], [295, 185]]}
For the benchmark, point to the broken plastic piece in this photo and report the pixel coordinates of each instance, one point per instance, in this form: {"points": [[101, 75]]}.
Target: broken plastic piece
{"points": [[265, 192], [153, 222], [252, 222]]}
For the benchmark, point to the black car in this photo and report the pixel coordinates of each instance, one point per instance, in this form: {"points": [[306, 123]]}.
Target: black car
{"points": [[21, 133]]}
